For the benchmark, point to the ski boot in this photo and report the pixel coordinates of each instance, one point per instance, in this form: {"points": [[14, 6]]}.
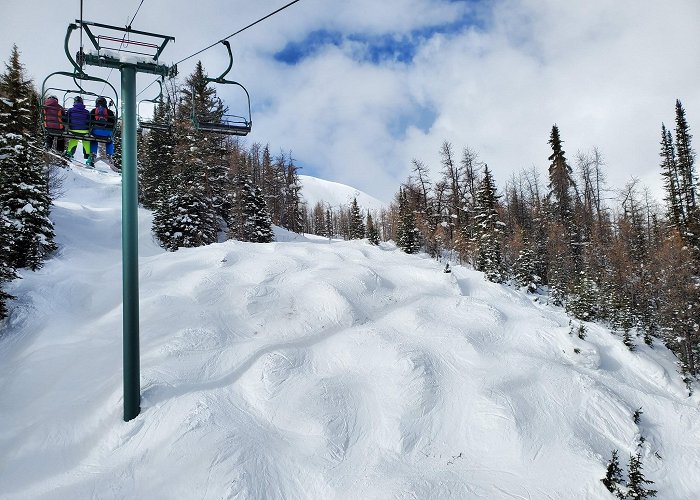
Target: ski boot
{"points": [[90, 162]]}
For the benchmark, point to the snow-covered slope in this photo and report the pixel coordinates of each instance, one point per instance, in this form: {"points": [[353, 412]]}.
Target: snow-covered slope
{"points": [[316, 190], [308, 369]]}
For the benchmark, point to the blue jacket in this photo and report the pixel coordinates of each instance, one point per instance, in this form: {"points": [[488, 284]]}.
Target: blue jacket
{"points": [[78, 117]]}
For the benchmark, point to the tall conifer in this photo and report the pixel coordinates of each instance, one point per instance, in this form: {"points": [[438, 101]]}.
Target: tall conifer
{"points": [[24, 193]]}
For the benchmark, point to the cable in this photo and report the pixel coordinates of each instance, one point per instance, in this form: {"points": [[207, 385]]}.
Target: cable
{"points": [[137, 11], [122, 42], [146, 88], [239, 31]]}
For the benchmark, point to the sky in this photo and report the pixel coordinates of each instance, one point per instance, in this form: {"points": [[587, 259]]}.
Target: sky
{"points": [[356, 90], [309, 368]]}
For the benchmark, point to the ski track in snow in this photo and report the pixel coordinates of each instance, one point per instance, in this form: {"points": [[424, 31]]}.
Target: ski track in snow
{"points": [[303, 369]]}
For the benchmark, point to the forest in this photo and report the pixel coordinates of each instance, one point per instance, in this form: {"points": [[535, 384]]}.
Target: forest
{"points": [[615, 256]]}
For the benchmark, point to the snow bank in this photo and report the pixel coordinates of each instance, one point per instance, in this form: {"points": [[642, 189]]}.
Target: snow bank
{"points": [[309, 369]]}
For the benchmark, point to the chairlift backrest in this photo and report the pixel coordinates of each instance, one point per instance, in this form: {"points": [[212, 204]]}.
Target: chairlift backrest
{"points": [[228, 124], [151, 124]]}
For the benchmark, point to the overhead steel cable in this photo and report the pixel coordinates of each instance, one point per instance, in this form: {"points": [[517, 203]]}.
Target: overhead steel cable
{"points": [[123, 38], [239, 31], [147, 86], [137, 11], [219, 41]]}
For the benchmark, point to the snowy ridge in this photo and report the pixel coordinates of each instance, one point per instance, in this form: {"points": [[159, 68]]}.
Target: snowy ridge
{"points": [[319, 190], [308, 369]]}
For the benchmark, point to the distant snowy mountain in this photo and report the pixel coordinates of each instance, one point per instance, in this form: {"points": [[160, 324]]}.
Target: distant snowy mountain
{"points": [[316, 369], [335, 194]]}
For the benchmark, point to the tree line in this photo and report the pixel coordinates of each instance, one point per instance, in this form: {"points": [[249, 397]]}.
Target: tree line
{"points": [[630, 263], [204, 188]]}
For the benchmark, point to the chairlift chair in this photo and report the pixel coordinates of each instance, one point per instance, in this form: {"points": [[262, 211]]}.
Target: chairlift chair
{"points": [[152, 124], [68, 93], [78, 77], [228, 124]]}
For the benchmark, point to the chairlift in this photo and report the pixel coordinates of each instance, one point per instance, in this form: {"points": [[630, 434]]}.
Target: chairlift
{"points": [[78, 77], [228, 124], [152, 124], [65, 102]]}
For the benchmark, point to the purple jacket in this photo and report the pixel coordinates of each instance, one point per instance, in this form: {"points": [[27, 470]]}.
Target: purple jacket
{"points": [[78, 117]]}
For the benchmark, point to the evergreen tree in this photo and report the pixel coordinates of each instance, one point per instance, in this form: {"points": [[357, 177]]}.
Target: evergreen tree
{"points": [[372, 231], [190, 216], [7, 271], [613, 477], [669, 171], [260, 219], [117, 140], [525, 270], [636, 480], [561, 183], [489, 230], [407, 232], [357, 226], [293, 215], [562, 244], [685, 159], [164, 215], [583, 299], [248, 218], [24, 194], [158, 149]]}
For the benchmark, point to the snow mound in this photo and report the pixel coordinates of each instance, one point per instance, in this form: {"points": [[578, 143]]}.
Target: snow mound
{"points": [[314, 369]]}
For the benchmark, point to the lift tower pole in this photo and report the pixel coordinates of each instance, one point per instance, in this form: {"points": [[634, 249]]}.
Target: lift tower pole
{"points": [[131, 57]]}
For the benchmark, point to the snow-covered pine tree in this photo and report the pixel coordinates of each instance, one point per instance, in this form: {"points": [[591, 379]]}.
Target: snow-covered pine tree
{"points": [[356, 224], [293, 218], [158, 151], [240, 199], [24, 193], [372, 230], [524, 268], [489, 230], [259, 218], [117, 139], [613, 477], [163, 215], [189, 217], [636, 480], [7, 271], [407, 232], [582, 302]]}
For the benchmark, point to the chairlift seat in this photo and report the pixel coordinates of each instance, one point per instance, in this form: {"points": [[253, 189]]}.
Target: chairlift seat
{"points": [[226, 126]]}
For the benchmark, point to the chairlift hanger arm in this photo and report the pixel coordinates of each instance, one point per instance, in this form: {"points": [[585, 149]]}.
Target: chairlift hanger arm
{"points": [[159, 96], [230, 63], [78, 68]]}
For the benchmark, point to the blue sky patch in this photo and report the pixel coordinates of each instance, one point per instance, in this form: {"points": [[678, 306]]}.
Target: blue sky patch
{"points": [[377, 49], [420, 117]]}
